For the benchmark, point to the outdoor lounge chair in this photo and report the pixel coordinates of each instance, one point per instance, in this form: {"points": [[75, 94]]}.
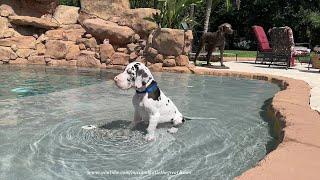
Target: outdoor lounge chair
{"points": [[284, 50], [264, 51]]}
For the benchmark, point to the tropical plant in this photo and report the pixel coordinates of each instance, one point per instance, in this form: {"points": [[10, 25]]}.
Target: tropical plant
{"points": [[174, 12], [213, 3], [70, 2], [143, 3], [244, 44]]}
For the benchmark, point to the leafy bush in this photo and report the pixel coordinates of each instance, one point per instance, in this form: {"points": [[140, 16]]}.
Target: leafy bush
{"points": [[244, 44], [174, 12], [143, 3], [70, 2]]}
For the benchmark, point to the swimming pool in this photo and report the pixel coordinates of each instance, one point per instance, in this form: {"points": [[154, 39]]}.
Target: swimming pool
{"points": [[42, 110]]}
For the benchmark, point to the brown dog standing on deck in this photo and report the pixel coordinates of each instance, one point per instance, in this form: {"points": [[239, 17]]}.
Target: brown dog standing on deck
{"points": [[213, 40]]}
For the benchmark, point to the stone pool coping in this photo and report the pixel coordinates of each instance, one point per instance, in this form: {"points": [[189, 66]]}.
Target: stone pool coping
{"points": [[298, 155]]}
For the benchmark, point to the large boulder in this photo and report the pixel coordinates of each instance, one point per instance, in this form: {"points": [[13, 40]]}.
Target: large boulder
{"points": [[62, 63], [40, 49], [105, 8], [65, 34], [73, 52], [19, 61], [56, 49], [88, 43], [133, 56], [87, 59], [120, 58], [35, 8], [25, 53], [66, 14], [45, 23], [8, 33], [119, 11], [4, 24], [169, 63], [106, 52], [6, 10], [132, 47], [101, 29], [135, 19], [56, 34], [170, 42], [188, 38], [5, 30], [6, 53], [157, 67], [182, 60], [36, 60], [24, 42]]}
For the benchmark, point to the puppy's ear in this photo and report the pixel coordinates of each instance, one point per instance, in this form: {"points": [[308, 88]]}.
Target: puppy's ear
{"points": [[142, 78]]}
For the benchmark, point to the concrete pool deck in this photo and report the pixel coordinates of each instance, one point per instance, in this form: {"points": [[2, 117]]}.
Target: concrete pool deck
{"points": [[298, 155]]}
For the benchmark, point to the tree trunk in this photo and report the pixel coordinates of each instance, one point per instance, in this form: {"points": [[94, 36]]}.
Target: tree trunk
{"points": [[207, 18]]}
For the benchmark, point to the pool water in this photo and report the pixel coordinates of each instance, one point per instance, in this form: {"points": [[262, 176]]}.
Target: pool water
{"points": [[43, 110]]}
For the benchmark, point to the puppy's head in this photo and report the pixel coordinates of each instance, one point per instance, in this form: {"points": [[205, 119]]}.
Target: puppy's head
{"points": [[226, 28], [135, 75]]}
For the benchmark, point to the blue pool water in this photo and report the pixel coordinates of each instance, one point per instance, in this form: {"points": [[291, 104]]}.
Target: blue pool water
{"points": [[43, 110]]}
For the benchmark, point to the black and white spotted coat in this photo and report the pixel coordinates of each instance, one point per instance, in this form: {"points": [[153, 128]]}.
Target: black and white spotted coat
{"points": [[149, 102]]}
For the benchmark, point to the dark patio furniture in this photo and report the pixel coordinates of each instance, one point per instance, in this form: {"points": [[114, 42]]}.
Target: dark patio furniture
{"points": [[283, 47]]}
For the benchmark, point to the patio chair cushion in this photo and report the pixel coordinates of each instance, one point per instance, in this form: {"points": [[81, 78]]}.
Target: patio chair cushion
{"points": [[282, 41], [261, 36], [301, 51]]}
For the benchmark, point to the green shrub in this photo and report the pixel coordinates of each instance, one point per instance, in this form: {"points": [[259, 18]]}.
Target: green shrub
{"points": [[70, 2], [143, 3], [173, 13]]}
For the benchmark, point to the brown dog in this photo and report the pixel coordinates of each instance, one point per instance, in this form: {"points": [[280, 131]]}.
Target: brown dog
{"points": [[213, 40]]}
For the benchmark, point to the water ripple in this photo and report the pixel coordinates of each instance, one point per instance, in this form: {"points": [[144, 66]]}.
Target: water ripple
{"points": [[42, 135]]}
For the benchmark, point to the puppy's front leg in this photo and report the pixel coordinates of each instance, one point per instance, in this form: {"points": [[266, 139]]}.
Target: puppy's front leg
{"points": [[153, 122], [136, 119]]}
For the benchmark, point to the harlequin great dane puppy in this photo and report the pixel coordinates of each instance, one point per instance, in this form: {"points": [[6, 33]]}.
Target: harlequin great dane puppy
{"points": [[149, 102]]}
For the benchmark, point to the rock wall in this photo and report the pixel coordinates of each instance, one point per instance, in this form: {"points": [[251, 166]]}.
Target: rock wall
{"points": [[169, 46], [68, 37], [35, 8], [119, 12], [105, 9]]}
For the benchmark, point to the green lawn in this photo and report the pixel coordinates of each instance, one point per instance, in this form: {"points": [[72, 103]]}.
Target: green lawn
{"points": [[249, 54]]}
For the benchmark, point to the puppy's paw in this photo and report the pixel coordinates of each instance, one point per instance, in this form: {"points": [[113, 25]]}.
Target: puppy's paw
{"points": [[149, 137], [172, 130], [132, 125]]}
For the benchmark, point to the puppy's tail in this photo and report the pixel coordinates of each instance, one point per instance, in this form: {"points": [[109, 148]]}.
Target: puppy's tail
{"points": [[198, 118]]}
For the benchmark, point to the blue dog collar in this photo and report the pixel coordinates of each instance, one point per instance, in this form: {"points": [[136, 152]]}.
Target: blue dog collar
{"points": [[149, 89]]}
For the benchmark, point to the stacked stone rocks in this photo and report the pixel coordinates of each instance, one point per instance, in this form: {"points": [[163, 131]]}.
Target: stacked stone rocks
{"points": [[169, 47], [74, 37]]}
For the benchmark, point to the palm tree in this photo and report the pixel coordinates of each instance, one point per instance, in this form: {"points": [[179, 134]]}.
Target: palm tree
{"points": [[208, 12], [214, 3]]}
